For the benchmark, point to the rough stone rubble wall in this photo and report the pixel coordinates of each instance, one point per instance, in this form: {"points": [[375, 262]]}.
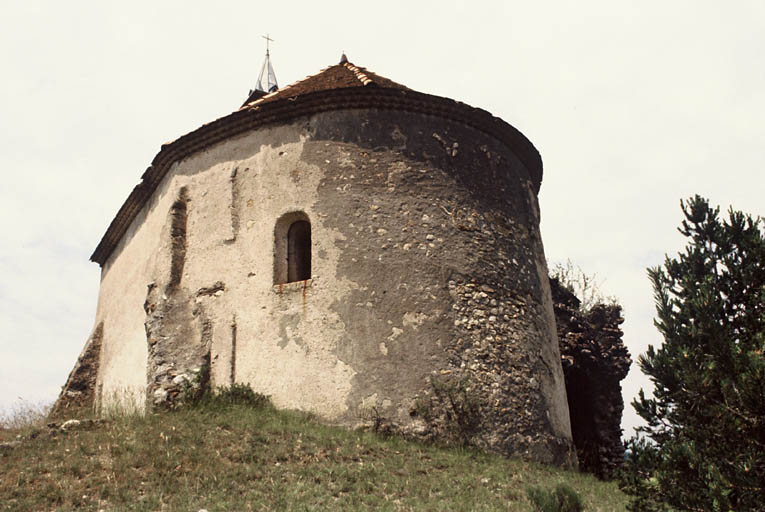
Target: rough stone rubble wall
{"points": [[178, 330], [448, 216], [594, 360], [79, 392]]}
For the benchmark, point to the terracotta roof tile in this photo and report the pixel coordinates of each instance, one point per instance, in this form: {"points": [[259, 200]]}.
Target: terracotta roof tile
{"points": [[338, 76]]}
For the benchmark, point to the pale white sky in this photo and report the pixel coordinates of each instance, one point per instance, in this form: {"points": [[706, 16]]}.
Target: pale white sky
{"points": [[632, 104]]}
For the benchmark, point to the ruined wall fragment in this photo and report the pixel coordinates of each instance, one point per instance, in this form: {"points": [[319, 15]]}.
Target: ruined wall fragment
{"points": [[594, 360], [79, 393]]}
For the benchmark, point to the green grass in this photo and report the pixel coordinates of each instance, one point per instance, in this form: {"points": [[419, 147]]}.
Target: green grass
{"points": [[561, 499], [229, 456]]}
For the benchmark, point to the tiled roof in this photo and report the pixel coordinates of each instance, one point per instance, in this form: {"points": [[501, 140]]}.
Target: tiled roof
{"points": [[339, 76], [342, 86]]}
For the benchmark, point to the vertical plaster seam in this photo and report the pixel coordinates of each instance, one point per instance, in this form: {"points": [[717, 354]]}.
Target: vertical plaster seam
{"points": [[233, 350], [234, 212]]}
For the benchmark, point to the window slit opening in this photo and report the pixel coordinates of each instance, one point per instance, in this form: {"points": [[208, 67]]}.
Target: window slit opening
{"points": [[299, 251]]}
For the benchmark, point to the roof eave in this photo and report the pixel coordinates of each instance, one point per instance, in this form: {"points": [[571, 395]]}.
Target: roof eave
{"points": [[287, 109]]}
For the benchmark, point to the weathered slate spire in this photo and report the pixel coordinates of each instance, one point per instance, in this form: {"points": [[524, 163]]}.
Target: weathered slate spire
{"points": [[269, 85], [267, 79]]}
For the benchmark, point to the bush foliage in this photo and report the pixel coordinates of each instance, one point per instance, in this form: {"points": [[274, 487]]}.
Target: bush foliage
{"points": [[704, 444], [561, 499]]}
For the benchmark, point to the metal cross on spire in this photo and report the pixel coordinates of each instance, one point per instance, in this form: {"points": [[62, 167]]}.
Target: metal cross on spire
{"points": [[267, 79], [268, 40]]}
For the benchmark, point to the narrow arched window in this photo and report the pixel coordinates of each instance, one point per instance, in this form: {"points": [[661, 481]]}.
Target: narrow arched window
{"points": [[299, 251], [292, 248]]}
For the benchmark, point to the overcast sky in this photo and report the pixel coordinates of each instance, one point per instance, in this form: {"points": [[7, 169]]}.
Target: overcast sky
{"points": [[632, 104]]}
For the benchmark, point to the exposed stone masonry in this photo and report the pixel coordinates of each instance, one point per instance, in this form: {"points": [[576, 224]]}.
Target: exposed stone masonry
{"points": [[234, 205], [494, 353], [179, 345], [79, 391], [456, 238], [594, 361], [178, 216], [178, 331]]}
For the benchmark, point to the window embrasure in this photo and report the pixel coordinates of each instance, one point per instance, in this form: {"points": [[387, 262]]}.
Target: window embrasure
{"points": [[292, 248]]}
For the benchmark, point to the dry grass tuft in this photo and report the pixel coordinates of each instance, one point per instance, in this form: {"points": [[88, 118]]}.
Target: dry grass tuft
{"points": [[24, 415]]}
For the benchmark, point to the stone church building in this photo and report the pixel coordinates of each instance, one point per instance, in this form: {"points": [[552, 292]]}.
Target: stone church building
{"points": [[347, 246]]}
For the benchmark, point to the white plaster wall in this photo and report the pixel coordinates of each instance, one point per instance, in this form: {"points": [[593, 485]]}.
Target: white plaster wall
{"points": [[294, 363], [124, 281]]}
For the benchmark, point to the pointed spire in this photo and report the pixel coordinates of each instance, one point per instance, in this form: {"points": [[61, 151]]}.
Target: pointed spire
{"points": [[266, 80], [267, 72], [343, 59]]}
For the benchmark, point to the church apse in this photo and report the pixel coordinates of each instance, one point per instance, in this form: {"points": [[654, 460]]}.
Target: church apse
{"points": [[347, 242]]}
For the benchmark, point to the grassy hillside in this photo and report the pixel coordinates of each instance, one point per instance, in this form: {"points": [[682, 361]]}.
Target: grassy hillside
{"points": [[226, 456]]}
